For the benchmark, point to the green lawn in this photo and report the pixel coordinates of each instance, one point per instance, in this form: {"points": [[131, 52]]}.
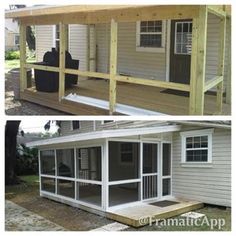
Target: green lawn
{"points": [[11, 64]]}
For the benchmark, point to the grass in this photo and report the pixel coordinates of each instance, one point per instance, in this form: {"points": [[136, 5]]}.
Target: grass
{"points": [[11, 64]]}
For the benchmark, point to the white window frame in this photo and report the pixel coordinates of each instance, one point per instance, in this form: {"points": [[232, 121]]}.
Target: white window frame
{"points": [[16, 35], [151, 49], [124, 163], [175, 52], [196, 133]]}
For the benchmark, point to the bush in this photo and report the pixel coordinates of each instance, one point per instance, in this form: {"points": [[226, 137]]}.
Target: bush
{"points": [[12, 55], [27, 161]]}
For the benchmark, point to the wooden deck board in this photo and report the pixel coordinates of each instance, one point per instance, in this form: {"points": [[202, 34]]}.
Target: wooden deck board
{"points": [[129, 94], [141, 214]]}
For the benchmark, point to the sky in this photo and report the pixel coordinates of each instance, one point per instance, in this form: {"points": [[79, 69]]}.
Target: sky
{"points": [[38, 126]]}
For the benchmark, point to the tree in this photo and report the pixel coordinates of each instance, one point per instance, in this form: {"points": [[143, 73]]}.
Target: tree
{"points": [[11, 131], [30, 37]]}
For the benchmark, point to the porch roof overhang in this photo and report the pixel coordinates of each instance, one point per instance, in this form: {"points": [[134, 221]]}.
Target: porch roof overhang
{"points": [[104, 134], [92, 14]]}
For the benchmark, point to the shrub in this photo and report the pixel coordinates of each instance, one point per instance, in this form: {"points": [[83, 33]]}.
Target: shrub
{"points": [[26, 161], [12, 55]]}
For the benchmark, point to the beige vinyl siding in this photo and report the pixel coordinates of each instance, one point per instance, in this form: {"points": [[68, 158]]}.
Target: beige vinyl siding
{"points": [[209, 185], [130, 62], [152, 65], [44, 40], [85, 126], [102, 41], [78, 44], [212, 47]]}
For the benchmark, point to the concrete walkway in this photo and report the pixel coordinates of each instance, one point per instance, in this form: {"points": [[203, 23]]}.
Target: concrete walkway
{"points": [[18, 218]]}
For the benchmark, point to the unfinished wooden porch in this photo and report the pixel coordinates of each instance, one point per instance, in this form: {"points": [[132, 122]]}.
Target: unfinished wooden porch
{"points": [[144, 214], [145, 97], [196, 104]]}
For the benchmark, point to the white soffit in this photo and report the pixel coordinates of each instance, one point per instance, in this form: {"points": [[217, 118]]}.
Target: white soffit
{"points": [[104, 134]]}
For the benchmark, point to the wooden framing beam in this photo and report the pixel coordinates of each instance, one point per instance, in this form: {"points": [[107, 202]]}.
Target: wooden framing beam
{"points": [[198, 63], [23, 71], [212, 82], [61, 91], [228, 78], [87, 73], [153, 83], [217, 10], [221, 65], [113, 66], [41, 67], [126, 14]]}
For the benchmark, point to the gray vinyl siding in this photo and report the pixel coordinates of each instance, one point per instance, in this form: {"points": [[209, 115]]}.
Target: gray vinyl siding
{"points": [[77, 42], [130, 62], [152, 65], [44, 40], [213, 33], [85, 126], [209, 185]]}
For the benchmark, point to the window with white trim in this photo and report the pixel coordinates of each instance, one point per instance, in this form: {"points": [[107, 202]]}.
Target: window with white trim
{"points": [[197, 146], [17, 40], [183, 38], [150, 36], [126, 153], [57, 37]]}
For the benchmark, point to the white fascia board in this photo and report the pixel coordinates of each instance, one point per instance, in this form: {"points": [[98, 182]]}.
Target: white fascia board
{"points": [[104, 134]]}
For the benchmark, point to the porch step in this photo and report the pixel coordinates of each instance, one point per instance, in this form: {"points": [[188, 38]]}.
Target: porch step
{"points": [[141, 215], [120, 108]]}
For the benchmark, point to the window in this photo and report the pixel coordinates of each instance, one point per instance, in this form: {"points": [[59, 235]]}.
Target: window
{"points": [[183, 38], [89, 163], [17, 40], [126, 152], [150, 36], [123, 160], [65, 162], [197, 146], [47, 162], [107, 121], [57, 37], [75, 124]]}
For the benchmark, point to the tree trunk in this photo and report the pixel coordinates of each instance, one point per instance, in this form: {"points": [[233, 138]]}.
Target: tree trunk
{"points": [[11, 131]]}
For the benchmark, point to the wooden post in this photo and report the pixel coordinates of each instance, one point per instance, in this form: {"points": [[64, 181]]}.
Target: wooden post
{"points": [[220, 71], [88, 47], [198, 63], [61, 91], [67, 37], [113, 66], [23, 72], [228, 78]]}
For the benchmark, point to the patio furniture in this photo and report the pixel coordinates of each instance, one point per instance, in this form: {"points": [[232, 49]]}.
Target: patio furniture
{"points": [[48, 81]]}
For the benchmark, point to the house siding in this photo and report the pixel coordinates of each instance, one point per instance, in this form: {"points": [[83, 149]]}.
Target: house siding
{"points": [[209, 185], [130, 62], [153, 65], [77, 42], [44, 40]]}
